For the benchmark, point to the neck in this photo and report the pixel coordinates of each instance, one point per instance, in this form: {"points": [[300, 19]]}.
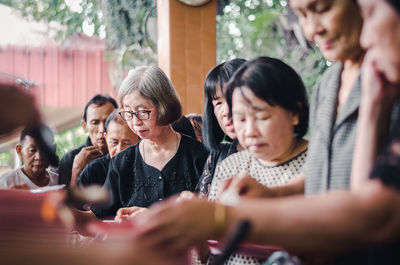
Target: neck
{"points": [[166, 137], [38, 179], [354, 62], [297, 146]]}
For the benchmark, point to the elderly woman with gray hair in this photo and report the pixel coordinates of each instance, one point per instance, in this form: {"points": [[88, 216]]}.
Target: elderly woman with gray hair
{"points": [[164, 162]]}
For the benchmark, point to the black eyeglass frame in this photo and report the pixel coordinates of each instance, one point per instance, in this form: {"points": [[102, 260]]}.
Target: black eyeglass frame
{"points": [[121, 113]]}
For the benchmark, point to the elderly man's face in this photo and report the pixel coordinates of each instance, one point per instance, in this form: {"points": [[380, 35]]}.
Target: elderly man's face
{"points": [[119, 137], [34, 160], [95, 120]]}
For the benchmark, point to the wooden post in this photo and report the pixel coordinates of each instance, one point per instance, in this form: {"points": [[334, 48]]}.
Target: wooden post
{"points": [[187, 48]]}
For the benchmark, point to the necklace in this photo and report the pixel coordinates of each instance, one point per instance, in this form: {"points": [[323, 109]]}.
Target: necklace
{"points": [[176, 146]]}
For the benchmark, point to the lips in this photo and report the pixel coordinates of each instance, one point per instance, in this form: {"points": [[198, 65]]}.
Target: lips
{"points": [[254, 148], [229, 126], [141, 132], [326, 45], [101, 141]]}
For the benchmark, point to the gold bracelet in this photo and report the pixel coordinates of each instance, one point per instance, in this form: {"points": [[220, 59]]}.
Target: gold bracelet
{"points": [[219, 219]]}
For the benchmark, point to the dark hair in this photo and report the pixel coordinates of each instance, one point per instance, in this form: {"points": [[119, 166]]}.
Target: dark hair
{"points": [[113, 117], [197, 122], [216, 78], [395, 4], [99, 100], [44, 138], [184, 126], [276, 83], [33, 131]]}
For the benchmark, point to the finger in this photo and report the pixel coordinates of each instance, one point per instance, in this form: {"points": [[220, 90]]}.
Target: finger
{"points": [[226, 184]]}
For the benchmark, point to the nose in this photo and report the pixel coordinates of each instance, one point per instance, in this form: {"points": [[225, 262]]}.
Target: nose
{"points": [[102, 129], [136, 121], [224, 109], [251, 129], [118, 148], [365, 41], [39, 155], [311, 26]]}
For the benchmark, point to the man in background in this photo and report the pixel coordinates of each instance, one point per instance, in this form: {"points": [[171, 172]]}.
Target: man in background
{"points": [[95, 114], [118, 137], [34, 172]]}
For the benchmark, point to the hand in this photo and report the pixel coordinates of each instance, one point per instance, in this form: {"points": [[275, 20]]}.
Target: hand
{"points": [[86, 155], [22, 107], [185, 195], [173, 227], [376, 89], [247, 186], [126, 213]]}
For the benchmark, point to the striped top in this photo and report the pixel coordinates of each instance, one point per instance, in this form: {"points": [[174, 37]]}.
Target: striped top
{"points": [[332, 137]]}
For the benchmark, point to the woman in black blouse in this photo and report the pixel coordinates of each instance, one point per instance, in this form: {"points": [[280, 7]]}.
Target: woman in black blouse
{"points": [[164, 162]]}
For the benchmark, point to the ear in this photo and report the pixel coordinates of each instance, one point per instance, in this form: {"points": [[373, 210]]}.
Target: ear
{"points": [[84, 126], [295, 119], [18, 148]]}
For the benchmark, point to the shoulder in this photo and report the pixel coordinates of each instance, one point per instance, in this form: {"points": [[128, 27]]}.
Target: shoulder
{"points": [[9, 178], [99, 162], [124, 157], [187, 140], [9, 174], [188, 143], [332, 71], [236, 161], [330, 77]]}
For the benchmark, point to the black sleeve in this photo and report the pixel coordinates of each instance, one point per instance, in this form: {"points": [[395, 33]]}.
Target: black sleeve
{"points": [[84, 177], [200, 154], [65, 169], [112, 185]]}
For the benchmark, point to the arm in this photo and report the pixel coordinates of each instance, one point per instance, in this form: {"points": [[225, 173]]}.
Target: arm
{"points": [[249, 187], [378, 98], [64, 169], [112, 186], [333, 223], [328, 224]]}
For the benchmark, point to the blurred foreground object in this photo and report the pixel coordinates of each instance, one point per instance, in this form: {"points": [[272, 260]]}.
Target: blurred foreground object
{"points": [[17, 109], [28, 238]]}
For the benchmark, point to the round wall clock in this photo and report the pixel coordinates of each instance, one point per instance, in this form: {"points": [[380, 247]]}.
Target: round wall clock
{"points": [[194, 2]]}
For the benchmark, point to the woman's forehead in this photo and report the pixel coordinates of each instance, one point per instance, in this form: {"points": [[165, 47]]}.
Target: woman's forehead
{"points": [[136, 100]]}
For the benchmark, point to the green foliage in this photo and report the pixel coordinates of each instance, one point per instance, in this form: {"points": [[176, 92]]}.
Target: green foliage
{"points": [[69, 139], [125, 21], [5, 159], [66, 19], [252, 28], [126, 35]]}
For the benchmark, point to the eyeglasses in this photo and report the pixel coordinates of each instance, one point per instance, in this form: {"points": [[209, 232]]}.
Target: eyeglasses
{"points": [[140, 114]]}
